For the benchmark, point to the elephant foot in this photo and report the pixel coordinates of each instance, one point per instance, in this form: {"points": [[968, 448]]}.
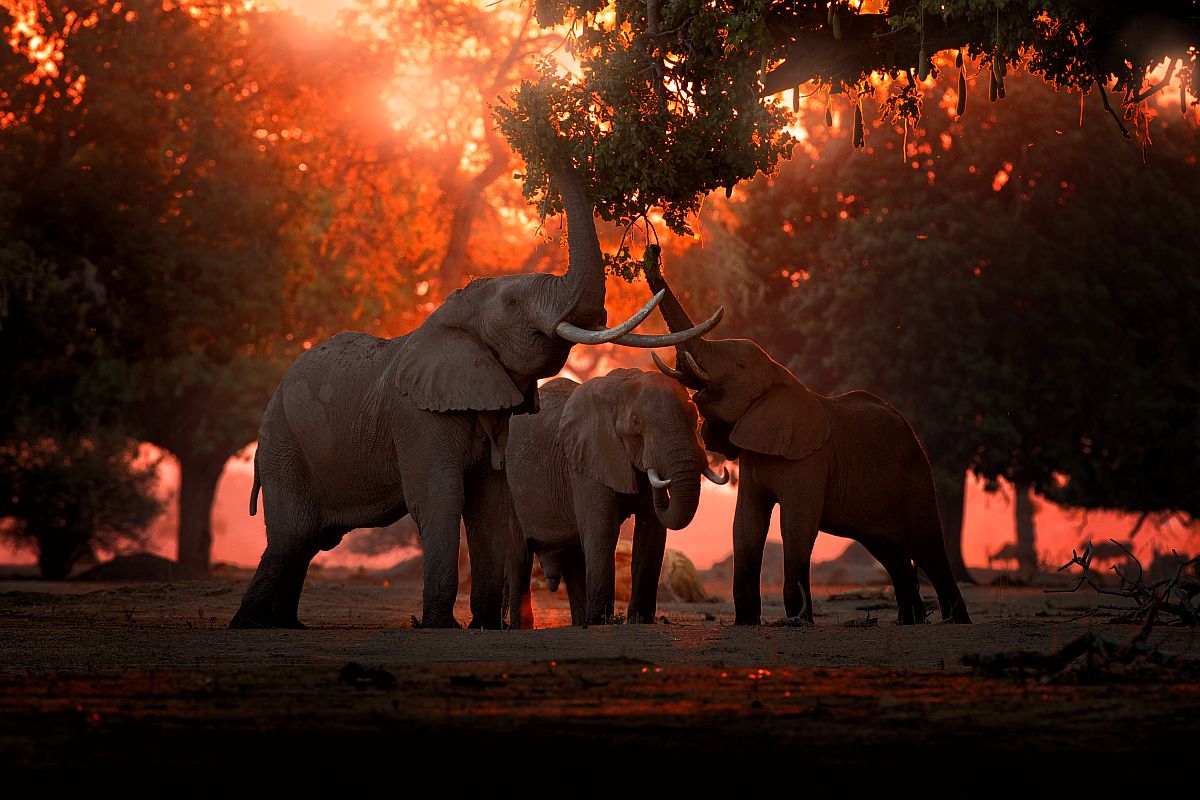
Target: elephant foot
{"points": [[438, 621], [243, 621], [486, 623], [746, 621]]}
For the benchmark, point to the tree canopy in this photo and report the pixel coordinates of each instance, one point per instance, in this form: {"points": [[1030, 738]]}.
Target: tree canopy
{"points": [[672, 100]]}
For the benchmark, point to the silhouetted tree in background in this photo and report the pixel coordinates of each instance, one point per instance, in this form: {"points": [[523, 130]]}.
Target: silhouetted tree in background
{"points": [[141, 158]]}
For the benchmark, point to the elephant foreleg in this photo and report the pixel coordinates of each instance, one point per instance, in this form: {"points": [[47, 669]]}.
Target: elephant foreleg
{"points": [[799, 519], [518, 568], [596, 509], [649, 545], [438, 515], [486, 511], [750, 523], [575, 577]]}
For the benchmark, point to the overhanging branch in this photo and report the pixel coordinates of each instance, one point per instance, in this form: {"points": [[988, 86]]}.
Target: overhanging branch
{"points": [[868, 43]]}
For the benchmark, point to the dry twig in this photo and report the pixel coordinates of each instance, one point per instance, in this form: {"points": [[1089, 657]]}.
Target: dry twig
{"points": [[1178, 595], [1100, 655]]}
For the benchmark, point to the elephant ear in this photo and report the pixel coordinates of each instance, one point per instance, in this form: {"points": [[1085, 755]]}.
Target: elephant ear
{"points": [[588, 434], [786, 421], [716, 438], [446, 369]]}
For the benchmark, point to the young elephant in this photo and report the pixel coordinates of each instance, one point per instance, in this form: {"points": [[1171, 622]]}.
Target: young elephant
{"points": [[849, 465], [596, 454]]}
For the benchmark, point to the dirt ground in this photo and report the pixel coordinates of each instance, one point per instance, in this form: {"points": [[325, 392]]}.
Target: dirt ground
{"points": [[143, 681]]}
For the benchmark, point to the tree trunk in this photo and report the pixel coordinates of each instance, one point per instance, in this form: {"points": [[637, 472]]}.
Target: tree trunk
{"points": [[951, 494], [198, 476], [59, 549], [1027, 563]]}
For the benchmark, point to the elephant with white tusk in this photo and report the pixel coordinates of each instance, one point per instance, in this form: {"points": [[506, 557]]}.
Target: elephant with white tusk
{"points": [[364, 430], [621, 445], [849, 465]]}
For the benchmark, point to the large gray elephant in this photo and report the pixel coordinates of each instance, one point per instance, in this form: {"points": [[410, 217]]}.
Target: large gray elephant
{"points": [[618, 446], [364, 430], [849, 465]]}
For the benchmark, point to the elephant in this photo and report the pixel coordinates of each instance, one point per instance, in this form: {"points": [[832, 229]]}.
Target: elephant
{"points": [[596, 454], [849, 465], [363, 430]]}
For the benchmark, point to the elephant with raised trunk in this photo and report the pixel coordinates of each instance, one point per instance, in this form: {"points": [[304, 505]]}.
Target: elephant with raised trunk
{"points": [[618, 446], [364, 430], [849, 465]]}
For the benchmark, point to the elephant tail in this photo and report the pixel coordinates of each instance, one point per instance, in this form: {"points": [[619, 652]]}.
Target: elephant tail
{"points": [[254, 489]]}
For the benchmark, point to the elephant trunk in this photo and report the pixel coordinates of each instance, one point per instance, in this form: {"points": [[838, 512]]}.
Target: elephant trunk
{"points": [[583, 283], [675, 507], [672, 311], [677, 320]]}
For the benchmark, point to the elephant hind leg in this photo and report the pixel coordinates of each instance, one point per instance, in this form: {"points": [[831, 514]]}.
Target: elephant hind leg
{"points": [[273, 597], [933, 560], [518, 569], [927, 544], [900, 568], [937, 566]]}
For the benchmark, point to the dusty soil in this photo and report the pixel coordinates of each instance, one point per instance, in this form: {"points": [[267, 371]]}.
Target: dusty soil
{"points": [[143, 681]]}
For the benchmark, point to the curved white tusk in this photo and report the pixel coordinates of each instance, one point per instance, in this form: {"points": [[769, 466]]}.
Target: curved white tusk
{"points": [[657, 482], [668, 339], [696, 369], [719, 480], [670, 372], [573, 333]]}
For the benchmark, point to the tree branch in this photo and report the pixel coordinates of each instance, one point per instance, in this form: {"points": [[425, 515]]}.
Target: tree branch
{"points": [[1108, 107]]}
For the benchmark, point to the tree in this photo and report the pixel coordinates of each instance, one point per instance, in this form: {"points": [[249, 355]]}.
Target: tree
{"points": [[153, 148], [67, 484], [64, 498], [448, 61], [992, 290], [672, 100]]}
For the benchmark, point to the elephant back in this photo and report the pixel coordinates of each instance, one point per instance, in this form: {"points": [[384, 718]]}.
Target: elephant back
{"points": [[531, 436]]}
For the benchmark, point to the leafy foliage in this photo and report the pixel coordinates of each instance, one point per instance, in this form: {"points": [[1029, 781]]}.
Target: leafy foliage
{"points": [[66, 497], [673, 99], [666, 107]]}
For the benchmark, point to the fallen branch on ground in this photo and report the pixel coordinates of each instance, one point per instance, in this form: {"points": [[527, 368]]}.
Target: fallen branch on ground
{"points": [[1100, 655], [1177, 595]]}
